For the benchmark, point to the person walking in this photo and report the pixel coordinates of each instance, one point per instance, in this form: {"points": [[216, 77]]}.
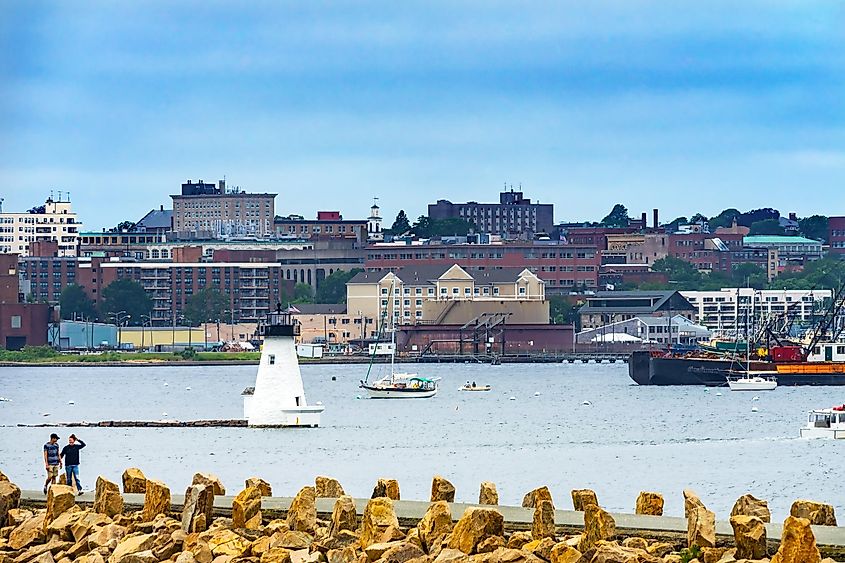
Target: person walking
{"points": [[70, 455], [52, 461]]}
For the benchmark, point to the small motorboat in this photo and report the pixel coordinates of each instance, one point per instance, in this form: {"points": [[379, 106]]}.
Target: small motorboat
{"points": [[473, 387], [825, 423], [750, 381]]}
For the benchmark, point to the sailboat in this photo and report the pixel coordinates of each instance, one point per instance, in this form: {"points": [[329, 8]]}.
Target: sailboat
{"points": [[751, 380], [396, 385]]}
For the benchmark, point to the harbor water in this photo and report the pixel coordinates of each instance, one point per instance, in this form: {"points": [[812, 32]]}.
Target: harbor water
{"points": [[562, 425]]}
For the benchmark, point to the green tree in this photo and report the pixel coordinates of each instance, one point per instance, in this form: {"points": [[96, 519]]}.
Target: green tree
{"points": [[724, 219], [124, 226], [681, 273], [698, 218], [673, 226], [75, 303], [814, 227], [302, 293], [126, 295], [618, 217], [766, 227], [207, 304], [827, 273], [333, 288], [401, 224], [748, 275], [452, 226], [563, 311]]}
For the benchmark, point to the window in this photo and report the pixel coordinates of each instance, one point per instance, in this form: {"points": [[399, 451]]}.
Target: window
{"points": [[16, 321], [456, 290], [522, 291], [271, 359]]}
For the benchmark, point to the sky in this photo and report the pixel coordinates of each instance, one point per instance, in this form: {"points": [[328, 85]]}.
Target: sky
{"points": [[686, 106]]}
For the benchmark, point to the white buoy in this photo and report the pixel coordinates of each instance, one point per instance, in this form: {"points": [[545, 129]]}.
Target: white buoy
{"points": [[754, 409], [187, 388], [319, 402], [71, 403], [164, 414], [165, 384], [512, 398], [718, 394], [755, 398], [536, 393], [587, 403], [45, 414]]}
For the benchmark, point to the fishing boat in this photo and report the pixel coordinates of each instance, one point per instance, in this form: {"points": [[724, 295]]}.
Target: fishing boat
{"points": [[396, 385], [749, 381], [473, 387], [825, 423]]}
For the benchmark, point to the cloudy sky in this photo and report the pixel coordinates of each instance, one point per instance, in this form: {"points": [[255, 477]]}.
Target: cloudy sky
{"points": [[686, 106]]}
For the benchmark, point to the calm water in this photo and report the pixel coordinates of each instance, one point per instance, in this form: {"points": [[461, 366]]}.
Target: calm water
{"points": [[629, 439]]}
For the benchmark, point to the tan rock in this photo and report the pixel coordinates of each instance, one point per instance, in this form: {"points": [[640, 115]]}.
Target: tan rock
{"points": [[328, 487], [246, 509], [488, 493], [156, 500], [202, 553], [543, 525], [227, 542], [819, 514], [10, 499], [581, 498], [186, 557], [532, 497], [60, 526], [87, 523], [291, 540], [797, 543], [691, 500], [198, 508], [518, 540], [475, 526], [599, 525], [749, 536], [612, 552], [649, 503], [260, 484], [401, 553], [388, 488], [302, 514], [442, 489], [59, 499], [541, 548], [491, 544], [346, 554], [660, 549], [132, 544], [17, 516], [378, 517], [106, 536], [277, 555], [448, 555], [563, 553], [208, 479], [701, 528], [434, 525], [107, 498], [29, 532], [134, 481], [376, 550], [748, 505], [344, 515]]}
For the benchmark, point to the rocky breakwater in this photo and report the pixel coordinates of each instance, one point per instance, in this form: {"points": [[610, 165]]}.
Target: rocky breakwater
{"points": [[107, 532]]}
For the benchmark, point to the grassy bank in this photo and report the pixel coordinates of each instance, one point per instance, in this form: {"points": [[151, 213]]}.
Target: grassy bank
{"points": [[47, 355]]}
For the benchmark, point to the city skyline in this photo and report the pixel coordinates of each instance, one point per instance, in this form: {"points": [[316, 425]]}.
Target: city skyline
{"points": [[677, 107]]}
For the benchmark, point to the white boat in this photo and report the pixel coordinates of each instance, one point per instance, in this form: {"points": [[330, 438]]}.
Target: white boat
{"points": [[753, 382], [825, 423], [474, 387]]}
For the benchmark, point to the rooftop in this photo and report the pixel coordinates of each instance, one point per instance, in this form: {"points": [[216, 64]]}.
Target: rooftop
{"points": [[777, 239]]}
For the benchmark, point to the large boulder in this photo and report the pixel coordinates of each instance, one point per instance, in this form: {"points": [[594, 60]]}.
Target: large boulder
{"points": [[488, 493], [564, 553], [28, 532], [344, 515], [476, 525], [106, 536], [612, 552], [402, 552], [378, 517], [749, 536], [198, 508], [582, 498], [701, 528], [691, 500], [246, 510], [543, 525], [388, 488], [59, 499], [748, 505], [261, 485], [156, 500], [434, 525], [649, 503], [531, 498], [10, 499], [227, 543], [302, 514], [134, 481], [599, 525], [442, 489], [817, 513], [207, 479], [130, 545], [328, 487], [797, 543], [107, 498]]}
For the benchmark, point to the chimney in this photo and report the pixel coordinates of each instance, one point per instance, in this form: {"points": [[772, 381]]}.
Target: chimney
{"points": [[656, 221], [643, 219]]}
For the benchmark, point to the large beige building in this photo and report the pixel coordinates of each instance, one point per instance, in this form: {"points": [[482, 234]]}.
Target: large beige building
{"points": [[54, 221], [448, 295], [213, 209]]}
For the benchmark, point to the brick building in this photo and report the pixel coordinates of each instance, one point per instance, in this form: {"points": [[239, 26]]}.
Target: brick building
{"points": [[328, 224], [221, 211], [514, 215], [836, 236]]}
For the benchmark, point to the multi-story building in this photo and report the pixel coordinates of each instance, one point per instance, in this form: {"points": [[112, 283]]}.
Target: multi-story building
{"points": [[793, 252], [607, 307], [514, 215], [213, 208], [728, 308], [157, 221], [53, 221], [764, 258], [449, 295], [330, 324], [836, 236], [563, 267], [706, 251], [329, 224]]}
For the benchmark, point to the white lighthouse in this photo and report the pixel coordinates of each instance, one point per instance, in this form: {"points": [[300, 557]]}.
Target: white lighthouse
{"points": [[278, 398]]}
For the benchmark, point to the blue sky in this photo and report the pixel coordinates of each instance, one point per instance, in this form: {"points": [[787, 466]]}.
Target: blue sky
{"points": [[687, 106]]}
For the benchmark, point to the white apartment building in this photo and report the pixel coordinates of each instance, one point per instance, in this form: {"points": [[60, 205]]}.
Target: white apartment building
{"points": [[725, 309], [54, 221]]}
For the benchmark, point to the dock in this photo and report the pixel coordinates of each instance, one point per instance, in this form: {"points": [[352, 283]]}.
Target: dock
{"points": [[226, 423]]}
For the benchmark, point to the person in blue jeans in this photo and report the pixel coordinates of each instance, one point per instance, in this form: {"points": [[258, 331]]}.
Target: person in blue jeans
{"points": [[70, 455]]}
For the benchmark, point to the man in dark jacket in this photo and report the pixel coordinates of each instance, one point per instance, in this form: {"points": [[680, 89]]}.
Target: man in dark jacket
{"points": [[70, 455]]}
